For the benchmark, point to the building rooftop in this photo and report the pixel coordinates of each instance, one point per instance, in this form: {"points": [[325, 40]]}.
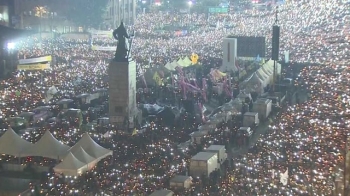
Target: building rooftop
{"points": [[263, 101], [216, 147], [180, 178], [203, 156], [198, 134], [161, 192], [250, 113]]}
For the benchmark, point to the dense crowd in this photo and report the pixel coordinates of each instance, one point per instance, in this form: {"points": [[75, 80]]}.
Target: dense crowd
{"points": [[306, 140]]}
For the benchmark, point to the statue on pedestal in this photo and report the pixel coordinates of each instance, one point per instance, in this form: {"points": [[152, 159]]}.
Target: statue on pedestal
{"points": [[123, 51]]}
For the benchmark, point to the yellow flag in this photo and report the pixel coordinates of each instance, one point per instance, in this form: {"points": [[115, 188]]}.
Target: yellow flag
{"points": [[157, 79], [134, 132]]}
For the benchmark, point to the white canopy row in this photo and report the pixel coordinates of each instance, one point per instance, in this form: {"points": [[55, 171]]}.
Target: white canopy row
{"points": [[261, 78], [85, 151]]}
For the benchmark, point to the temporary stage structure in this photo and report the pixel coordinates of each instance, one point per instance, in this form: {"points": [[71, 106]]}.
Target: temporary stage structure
{"points": [[84, 157], [12, 144], [91, 147], [48, 146], [70, 166]]}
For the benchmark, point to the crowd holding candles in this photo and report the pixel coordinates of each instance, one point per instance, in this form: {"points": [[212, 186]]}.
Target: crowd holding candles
{"points": [[304, 144]]}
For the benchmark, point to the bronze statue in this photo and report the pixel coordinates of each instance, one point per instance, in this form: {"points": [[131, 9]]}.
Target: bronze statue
{"points": [[123, 49]]}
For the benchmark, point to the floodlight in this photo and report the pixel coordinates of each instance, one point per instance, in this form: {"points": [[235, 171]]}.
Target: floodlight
{"points": [[10, 45]]}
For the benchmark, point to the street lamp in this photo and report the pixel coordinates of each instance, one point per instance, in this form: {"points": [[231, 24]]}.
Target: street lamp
{"points": [[10, 46], [190, 3]]}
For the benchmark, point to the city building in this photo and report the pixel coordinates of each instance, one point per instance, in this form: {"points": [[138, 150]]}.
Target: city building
{"points": [[120, 10], [6, 12], [41, 15]]}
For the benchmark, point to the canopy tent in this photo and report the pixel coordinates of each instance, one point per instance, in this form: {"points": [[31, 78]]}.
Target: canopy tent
{"points": [[170, 67], [242, 95], [187, 61], [269, 65], [64, 101], [151, 109], [84, 157], [26, 115], [254, 84], [12, 144], [264, 78], [175, 64], [227, 107], [91, 147], [237, 104], [267, 72], [70, 166], [204, 128], [181, 63], [48, 146]]}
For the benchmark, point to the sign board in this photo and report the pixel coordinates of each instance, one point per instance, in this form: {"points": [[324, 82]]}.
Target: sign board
{"points": [[33, 66], [35, 60], [104, 48], [101, 34], [218, 10]]}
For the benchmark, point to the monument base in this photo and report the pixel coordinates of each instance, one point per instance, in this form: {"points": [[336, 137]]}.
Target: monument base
{"points": [[122, 94]]}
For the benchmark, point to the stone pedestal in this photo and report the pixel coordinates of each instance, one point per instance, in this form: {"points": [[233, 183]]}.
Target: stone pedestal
{"points": [[122, 94]]}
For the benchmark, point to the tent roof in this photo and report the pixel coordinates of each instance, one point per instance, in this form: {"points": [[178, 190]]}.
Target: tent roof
{"points": [[162, 192], [70, 162], [48, 146], [82, 155], [13, 144], [91, 147], [255, 79]]}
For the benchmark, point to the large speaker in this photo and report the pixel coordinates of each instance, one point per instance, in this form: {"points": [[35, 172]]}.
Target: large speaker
{"points": [[275, 42]]}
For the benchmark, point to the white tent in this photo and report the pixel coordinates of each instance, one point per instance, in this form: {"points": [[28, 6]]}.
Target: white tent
{"points": [[187, 61], [268, 73], [227, 107], [12, 144], [91, 147], [242, 95], [263, 77], [237, 104], [269, 65], [170, 67], [84, 157], [254, 84], [181, 63], [70, 166], [205, 127], [48, 146], [174, 64]]}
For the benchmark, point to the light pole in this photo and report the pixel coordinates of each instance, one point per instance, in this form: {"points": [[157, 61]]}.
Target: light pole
{"points": [[190, 3]]}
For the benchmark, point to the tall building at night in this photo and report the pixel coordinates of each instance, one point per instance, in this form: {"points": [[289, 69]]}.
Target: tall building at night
{"points": [[6, 12], [42, 15], [119, 10]]}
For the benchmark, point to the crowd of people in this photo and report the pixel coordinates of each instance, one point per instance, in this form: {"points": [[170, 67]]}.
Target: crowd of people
{"points": [[304, 144]]}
